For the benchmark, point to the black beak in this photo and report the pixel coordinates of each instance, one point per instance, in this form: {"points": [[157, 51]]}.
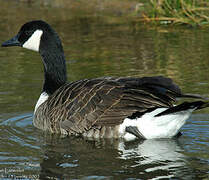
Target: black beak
{"points": [[12, 42]]}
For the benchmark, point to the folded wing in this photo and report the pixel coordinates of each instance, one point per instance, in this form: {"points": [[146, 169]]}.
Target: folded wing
{"points": [[81, 105]]}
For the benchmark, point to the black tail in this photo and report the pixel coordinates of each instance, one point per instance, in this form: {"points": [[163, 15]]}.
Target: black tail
{"points": [[185, 106]]}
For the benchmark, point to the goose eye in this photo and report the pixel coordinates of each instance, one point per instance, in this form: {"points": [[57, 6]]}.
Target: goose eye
{"points": [[28, 33]]}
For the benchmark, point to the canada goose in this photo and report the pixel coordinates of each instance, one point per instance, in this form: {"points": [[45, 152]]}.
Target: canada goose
{"points": [[109, 107]]}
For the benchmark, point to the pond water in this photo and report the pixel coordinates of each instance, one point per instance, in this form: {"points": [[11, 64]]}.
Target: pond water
{"points": [[99, 42]]}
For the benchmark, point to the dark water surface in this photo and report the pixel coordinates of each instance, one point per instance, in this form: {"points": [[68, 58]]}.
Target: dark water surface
{"points": [[98, 44]]}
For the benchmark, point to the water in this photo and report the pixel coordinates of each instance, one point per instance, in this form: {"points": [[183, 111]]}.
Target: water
{"points": [[99, 42]]}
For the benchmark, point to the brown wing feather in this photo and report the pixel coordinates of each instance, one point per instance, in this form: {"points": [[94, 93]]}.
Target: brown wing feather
{"points": [[78, 106]]}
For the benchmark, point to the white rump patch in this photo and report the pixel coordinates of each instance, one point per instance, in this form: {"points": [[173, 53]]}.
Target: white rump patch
{"points": [[152, 127], [43, 97], [34, 41]]}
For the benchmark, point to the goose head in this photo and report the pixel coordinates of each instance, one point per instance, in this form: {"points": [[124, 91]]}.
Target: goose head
{"points": [[35, 35], [40, 37]]}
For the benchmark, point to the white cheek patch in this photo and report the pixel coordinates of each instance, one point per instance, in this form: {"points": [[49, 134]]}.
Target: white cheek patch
{"points": [[34, 41]]}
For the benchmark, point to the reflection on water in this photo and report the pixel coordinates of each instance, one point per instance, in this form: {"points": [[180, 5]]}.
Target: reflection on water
{"points": [[109, 158], [95, 45], [26, 150]]}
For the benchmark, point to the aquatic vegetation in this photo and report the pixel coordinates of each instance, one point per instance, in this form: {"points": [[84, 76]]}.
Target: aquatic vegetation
{"points": [[192, 12]]}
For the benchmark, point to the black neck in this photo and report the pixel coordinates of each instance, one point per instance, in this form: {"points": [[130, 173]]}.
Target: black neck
{"points": [[52, 54]]}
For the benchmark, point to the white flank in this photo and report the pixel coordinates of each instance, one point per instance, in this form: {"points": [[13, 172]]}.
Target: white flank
{"points": [[152, 127], [122, 129], [34, 41], [43, 97]]}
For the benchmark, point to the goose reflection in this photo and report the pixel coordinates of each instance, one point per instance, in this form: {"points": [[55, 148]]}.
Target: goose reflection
{"points": [[155, 155], [79, 158], [152, 150]]}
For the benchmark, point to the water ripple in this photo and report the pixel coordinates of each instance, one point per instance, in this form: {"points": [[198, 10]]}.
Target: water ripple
{"points": [[18, 144]]}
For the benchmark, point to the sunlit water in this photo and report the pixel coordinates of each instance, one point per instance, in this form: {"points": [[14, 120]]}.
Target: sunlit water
{"points": [[97, 45]]}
